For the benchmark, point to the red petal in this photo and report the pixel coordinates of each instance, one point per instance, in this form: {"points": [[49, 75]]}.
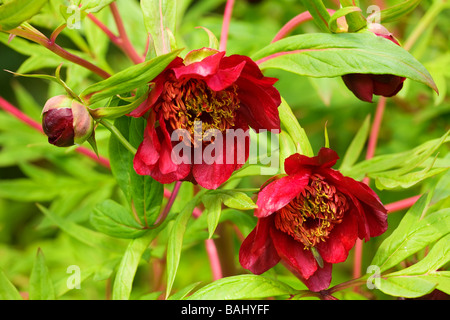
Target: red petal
{"points": [[147, 154], [372, 215], [387, 85], [360, 84], [257, 252], [260, 105], [326, 158], [202, 69], [279, 193], [341, 239], [150, 101], [293, 253], [320, 280], [223, 78]]}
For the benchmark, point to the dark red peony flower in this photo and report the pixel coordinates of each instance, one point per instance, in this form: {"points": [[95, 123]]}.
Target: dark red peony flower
{"points": [[66, 121], [364, 86], [205, 96], [310, 219]]}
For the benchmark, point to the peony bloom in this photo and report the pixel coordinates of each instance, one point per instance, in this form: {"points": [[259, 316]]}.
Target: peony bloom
{"points": [[364, 86], [66, 121], [205, 96], [310, 219]]}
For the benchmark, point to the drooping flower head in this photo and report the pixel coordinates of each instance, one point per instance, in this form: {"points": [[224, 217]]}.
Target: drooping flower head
{"points": [[310, 218], [204, 96], [364, 86], [66, 121]]}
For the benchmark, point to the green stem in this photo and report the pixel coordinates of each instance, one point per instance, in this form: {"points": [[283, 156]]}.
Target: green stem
{"points": [[118, 135]]}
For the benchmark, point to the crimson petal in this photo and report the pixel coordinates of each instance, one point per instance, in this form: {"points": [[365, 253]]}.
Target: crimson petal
{"points": [[279, 193], [257, 252], [293, 253]]}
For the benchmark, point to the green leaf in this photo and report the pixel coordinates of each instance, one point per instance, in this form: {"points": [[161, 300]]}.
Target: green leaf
{"points": [[14, 12], [175, 242], [421, 278], [213, 205], [318, 11], [287, 148], [41, 285], [7, 290], [395, 12], [160, 20], [406, 286], [92, 5], [297, 133], [333, 55], [438, 257], [404, 162], [128, 265], [343, 12], [356, 146], [128, 79], [412, 234], [242, 287], [83, 234], [115, 220], [143, 193]]}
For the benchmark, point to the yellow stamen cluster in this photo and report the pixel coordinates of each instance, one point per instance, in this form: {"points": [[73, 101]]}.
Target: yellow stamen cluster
{"points": [[310, 217], [187, 103]]}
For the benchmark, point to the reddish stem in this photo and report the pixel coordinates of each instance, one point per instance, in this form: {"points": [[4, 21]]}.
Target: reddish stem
{"points": [[402, 204], [126, 45], [213, 259], [372, 144], [226, 25], [56, 49], [294, 23], [373, 139], [5, 105]]}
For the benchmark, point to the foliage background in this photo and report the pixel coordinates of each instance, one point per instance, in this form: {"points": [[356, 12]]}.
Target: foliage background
{"points": [[32, 171]]}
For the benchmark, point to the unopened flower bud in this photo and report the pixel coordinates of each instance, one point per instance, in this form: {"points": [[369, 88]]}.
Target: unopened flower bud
{"points": [[66, 121], [364, 86]]}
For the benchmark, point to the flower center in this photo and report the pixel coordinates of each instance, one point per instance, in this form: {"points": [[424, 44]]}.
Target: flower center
{"points": [[191, 105], [310, 217]]}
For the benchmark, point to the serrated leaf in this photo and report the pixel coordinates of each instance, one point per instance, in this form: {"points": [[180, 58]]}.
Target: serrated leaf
{"points": [[41, 285], [127, 80], [333, 55], [242, 287], [14, 12]]}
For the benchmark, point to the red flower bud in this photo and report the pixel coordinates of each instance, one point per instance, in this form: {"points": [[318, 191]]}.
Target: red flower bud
{"points": [[66, 121], [364, 86]]}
